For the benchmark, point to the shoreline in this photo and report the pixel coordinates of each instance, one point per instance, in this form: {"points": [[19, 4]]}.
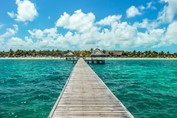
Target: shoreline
{"points": [[62, 58], [141, 59], [32, 58]]}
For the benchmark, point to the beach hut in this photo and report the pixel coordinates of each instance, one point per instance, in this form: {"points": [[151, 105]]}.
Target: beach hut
{"points": [[69, 56], [97, 56], [107, 54], [97, 53], [114, 53], [80, 56]]}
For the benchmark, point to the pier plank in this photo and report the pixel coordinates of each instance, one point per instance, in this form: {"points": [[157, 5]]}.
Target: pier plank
{"points": [[86, 96]]}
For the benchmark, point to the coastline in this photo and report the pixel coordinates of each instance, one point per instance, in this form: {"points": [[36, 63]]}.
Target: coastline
{"points": [[32, 58], [141, 58], [62, 58]]}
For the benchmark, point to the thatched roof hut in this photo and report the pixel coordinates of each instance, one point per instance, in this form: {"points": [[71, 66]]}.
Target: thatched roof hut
{"points": [[107, 53], [97, 53], [115, 53], [69, 54], [81, 55]]}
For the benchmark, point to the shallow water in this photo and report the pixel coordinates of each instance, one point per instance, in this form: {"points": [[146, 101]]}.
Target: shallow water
{"points": [[147, 88], [29, 88]]}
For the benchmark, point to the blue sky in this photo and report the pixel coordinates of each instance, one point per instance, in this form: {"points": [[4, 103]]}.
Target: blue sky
{"points": [[106, 24]]}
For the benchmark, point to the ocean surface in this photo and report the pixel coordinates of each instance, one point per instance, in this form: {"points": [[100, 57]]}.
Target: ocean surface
{"points": [[29, 88], [148, 88]]}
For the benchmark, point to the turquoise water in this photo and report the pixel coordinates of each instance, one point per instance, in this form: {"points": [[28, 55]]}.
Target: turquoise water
{"points": [[29, 88], [147, 88]]}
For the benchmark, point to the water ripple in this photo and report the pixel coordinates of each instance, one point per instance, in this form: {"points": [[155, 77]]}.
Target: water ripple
{"points": [[146, 87], [29, 88]]}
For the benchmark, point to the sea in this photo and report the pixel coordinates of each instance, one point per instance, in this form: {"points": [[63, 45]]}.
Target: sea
{"points": [[30, 87]]}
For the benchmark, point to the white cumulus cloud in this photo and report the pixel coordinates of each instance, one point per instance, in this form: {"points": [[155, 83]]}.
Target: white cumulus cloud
{"points": [[9, 32], [169, 11], [83, 32], [146, 24], [43, 34], [79, 21], [26, 11], [109, 20], [132, 12], [171, 34]]}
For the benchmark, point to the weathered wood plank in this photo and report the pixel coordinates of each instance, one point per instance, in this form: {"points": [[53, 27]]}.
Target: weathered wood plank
{"points": [[86, 96]]}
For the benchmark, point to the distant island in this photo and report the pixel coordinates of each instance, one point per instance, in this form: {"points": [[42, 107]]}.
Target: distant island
{"points": [[87, 53]]}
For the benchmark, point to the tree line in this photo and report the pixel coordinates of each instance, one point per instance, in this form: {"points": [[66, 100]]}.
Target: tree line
{"points": [[149, 54], [86, 53], [41, 53]]}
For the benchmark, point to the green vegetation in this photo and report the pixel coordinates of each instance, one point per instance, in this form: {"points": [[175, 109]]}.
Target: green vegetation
{"points": [[86, 53], [149, 54], [40, 53]]}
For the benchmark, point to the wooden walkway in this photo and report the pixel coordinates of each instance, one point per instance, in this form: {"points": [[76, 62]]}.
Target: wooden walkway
{"points": [[86, 96]]}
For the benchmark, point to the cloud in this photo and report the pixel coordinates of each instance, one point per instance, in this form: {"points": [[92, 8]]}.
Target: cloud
{"points": [[146, 24], [43, 34], [17, 43], [9, 32], [109, 20], [169, 11], [11, 14], [149, 38], [26, 11], [171, 33], [142, 7], [132, 12], [107, 33], [150, 5], [78, 21], [120, 34], [169, 36]]}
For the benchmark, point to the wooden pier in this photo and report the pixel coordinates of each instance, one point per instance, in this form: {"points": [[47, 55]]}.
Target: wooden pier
{"points": [[91, 61], [86, 96]]}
